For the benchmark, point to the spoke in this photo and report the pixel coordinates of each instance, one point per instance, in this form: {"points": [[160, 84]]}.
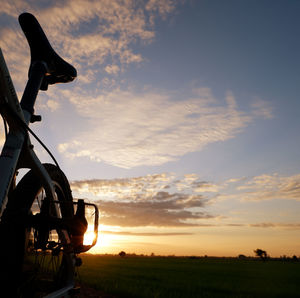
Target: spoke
{"points": [[46, 262]]}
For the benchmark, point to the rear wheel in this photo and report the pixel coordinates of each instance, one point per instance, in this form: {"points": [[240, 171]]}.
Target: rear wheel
{"points": [[39, 257]]}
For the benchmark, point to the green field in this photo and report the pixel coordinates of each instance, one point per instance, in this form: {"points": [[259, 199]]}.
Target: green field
{"points": [[190, 277]]}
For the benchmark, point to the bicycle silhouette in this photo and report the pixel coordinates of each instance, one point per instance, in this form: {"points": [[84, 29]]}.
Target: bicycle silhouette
{"points": [[41, 227]]}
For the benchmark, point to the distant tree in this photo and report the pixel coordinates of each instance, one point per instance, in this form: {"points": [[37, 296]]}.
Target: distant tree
{"points": [[122, 253], [153, 254], [194, 257], [261, 254], [294, 258], [242, 257]]}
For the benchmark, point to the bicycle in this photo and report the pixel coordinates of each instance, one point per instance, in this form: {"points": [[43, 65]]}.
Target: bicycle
{"points": [[41, 226]]}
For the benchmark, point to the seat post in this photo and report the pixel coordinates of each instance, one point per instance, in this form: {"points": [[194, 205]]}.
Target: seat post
{"points": [[37, 72]]}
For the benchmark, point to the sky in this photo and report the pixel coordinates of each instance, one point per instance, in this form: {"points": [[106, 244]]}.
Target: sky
{"points": [[183, 123]]}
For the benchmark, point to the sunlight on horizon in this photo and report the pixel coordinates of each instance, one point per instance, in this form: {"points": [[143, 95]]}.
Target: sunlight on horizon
{"points": [[221, 242]]}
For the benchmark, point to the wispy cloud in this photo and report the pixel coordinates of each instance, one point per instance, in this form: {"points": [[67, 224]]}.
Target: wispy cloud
{"points": [[148, 128], [160, 186], [127, 127], [126, 233], [289, 226], [262, 108], [191, 181], [86, 32], [112, 69], [267, 187], [264, 225], [135, 188]]}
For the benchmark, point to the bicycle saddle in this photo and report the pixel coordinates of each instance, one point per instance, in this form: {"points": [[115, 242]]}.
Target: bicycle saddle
{"points": [[59, 71]]}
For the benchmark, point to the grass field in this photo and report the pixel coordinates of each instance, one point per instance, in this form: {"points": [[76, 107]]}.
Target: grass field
{"points": [[187, 277]]}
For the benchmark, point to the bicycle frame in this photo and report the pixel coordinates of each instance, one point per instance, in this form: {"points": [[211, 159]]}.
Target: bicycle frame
{"points": [[17, 151]]}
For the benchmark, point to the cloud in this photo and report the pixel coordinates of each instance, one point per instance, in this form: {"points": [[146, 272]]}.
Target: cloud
{"points": [[192, 181], [289, 226], [167, 210], [52, 105], [144, 201], [135, 129], [264, 225], [234, 180], [135, 188], [141, 188], [261, 187], [163, 7], [126, 233], [262, 108], [168, 200], [92, 36], [267, 187], [112, 69]]}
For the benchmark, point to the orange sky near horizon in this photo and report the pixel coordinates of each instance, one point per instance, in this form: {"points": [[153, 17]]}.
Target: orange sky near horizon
{"points": [[220, 242]]}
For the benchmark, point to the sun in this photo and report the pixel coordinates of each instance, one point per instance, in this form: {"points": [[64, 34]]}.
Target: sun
{"points": [[89, 237], [106, 242], [103, 240]]}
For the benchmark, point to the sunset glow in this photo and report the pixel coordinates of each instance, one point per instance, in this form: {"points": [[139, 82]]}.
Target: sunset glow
{"points": [[89, 237], [183, 123]]}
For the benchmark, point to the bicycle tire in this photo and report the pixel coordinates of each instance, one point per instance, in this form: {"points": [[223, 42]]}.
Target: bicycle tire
{"points": [[25, 275]]}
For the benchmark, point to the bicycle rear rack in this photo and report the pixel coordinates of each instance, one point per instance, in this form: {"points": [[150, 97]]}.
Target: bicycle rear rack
{"points": [[81, 204], [76, 225]]}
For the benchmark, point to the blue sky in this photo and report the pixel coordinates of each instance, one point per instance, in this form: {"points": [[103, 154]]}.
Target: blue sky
{"points": [[183, 122]]}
